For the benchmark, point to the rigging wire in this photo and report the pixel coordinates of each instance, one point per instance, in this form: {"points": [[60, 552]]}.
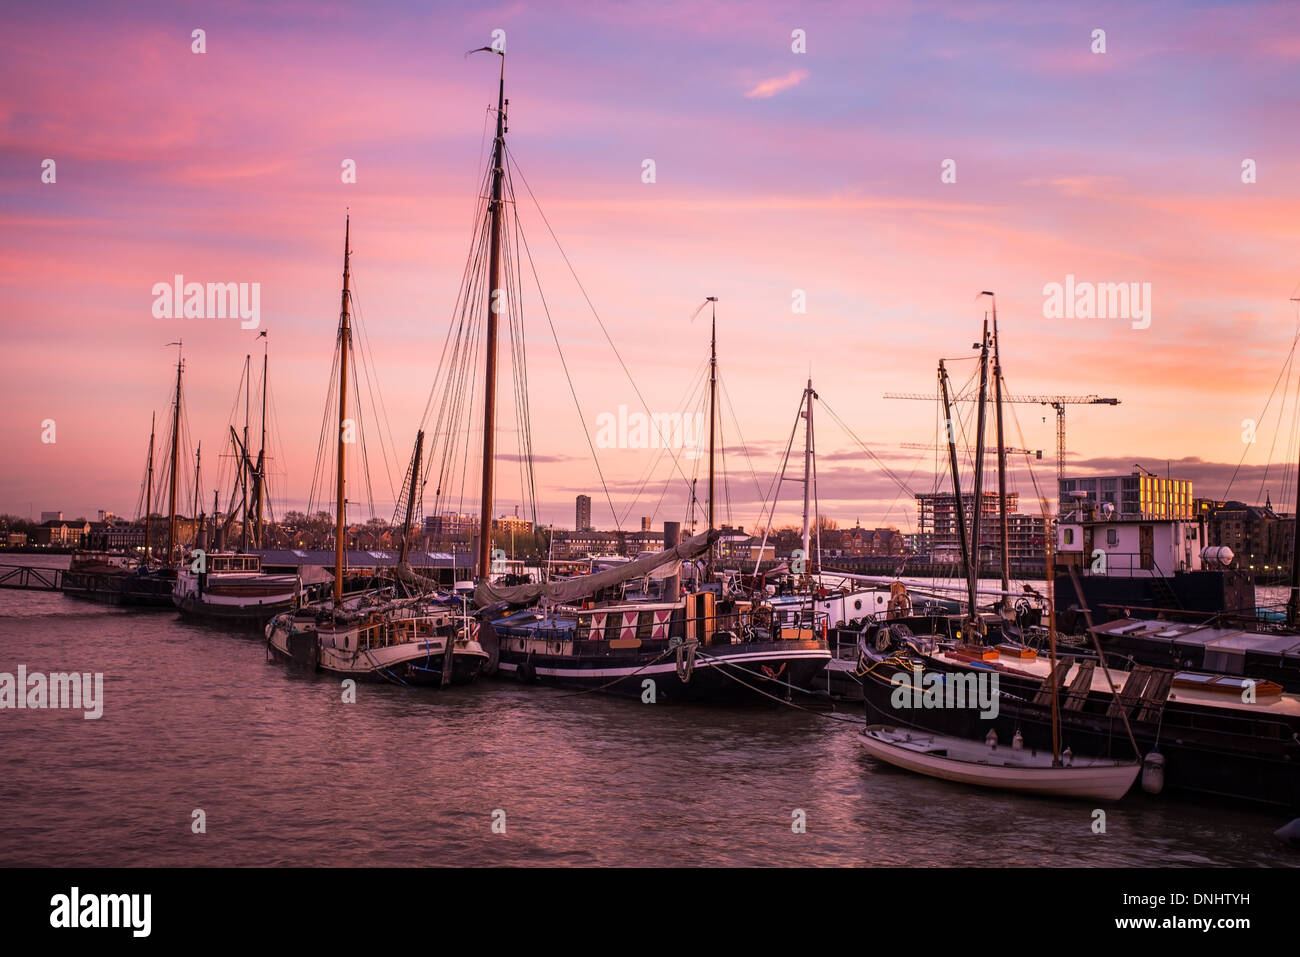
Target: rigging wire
{"points": [[1286, 366]]}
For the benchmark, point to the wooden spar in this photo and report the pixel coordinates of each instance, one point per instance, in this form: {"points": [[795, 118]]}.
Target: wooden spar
{"points": [[956, 483], [713, 402], [176, 461], [410, 500], [345, 334], [977, 509], [148, 495], [1002, 460], [495, 295]]}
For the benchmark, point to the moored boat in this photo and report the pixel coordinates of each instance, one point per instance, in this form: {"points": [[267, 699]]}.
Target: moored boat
{"points": [[418, 641], [1208, 742], [703, 645], [581, 649], [232, 588], [375, 634], [988, 764]]}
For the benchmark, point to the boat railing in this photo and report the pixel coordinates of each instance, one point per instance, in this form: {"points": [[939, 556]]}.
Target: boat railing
{"points": [[1121, 563]]}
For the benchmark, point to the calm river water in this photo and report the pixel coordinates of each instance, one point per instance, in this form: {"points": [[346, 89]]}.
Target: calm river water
{"points": [[286, 773]]}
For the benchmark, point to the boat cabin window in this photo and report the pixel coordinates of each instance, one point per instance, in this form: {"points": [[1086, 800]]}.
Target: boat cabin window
{"points": [[234, 563]]}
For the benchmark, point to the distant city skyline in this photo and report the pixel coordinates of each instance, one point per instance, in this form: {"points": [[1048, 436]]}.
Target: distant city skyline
{"points": [[782, 180]]}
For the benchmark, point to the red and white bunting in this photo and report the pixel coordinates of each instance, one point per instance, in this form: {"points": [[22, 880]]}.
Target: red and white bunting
{"points": [[662, 618], [629, 625]]}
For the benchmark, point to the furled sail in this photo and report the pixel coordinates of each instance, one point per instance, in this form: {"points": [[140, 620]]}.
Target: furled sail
{"points": [[582, 586]]}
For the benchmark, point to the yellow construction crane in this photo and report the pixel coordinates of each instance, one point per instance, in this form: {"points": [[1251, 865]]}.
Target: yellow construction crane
{"points": [[1057, 402]]}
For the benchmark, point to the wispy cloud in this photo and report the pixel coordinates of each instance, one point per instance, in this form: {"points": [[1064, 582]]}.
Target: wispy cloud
{"points": [[837, 204], [777, 84]]}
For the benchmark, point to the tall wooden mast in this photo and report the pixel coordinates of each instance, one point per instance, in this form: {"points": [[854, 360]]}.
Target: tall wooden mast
{"points": [[1002, 458], [198, 472], [713, 412], [411, 496], [261, 454], [176, 461], [243, 461], [148, 495], [978, 491], [958, 510], [1051, 647], [345, 337], [495, 297], [1293, 601], [807, 476]]}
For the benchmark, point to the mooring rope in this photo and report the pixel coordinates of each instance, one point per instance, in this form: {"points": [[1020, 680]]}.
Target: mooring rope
{"points": [[632, 674], [830, 716]]}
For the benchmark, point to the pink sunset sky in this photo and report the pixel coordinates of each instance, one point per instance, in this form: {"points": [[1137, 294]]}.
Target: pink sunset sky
{"points": [[776, 171]]}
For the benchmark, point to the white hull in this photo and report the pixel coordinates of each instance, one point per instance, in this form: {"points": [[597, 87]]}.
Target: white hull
{"points": [[970, 762], [378, 660]]}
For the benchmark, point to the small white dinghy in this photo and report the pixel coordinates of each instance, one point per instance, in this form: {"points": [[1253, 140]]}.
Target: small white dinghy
{"points": [[998, 766]]}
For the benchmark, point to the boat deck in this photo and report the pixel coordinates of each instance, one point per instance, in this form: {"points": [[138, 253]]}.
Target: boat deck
{"points": [[978, 752], [1283, 704]]}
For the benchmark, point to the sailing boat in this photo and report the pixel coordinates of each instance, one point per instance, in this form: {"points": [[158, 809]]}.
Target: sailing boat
{"points": [[150, 586], [988, 765], [979, 635], [373, 634], [702, 645], [230, 587], [148, 583], [804, 596]]}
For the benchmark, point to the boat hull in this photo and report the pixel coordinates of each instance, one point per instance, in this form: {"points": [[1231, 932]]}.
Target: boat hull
{"points": [[410, 663], [254, 616], [1241, 758], [750, 671], [1011, 771], [243, 600]]}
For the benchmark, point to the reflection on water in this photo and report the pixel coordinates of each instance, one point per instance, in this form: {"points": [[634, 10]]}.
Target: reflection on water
{"points": [[286, 773]]}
